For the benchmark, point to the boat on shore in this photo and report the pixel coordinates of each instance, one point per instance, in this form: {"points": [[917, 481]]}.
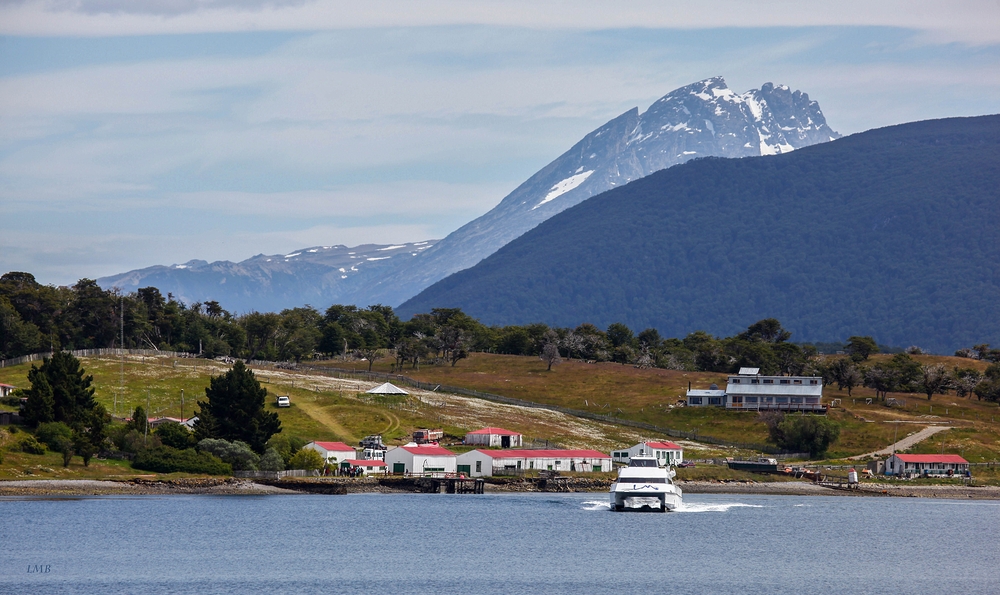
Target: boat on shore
{"points": [[645, 486]]}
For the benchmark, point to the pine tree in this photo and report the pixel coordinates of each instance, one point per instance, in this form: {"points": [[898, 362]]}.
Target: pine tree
{"points": [[235, 410], [40, 407]]}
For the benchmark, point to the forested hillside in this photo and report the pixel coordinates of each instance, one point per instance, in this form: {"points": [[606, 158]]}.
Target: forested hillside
{"points": [[895, 231]]}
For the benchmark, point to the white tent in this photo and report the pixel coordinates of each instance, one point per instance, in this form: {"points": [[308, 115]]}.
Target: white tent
{"points": [[387, 389]]}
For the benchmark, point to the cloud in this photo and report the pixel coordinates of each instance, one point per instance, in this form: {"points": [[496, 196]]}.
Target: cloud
{"points": [[965, 22]]}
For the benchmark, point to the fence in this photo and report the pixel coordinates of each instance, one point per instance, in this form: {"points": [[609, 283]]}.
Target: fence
{"points": [[429, 386], [34, 357], [272, 474]]}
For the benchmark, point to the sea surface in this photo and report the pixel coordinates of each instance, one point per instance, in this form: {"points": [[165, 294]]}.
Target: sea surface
{"points": [[505, 543]]}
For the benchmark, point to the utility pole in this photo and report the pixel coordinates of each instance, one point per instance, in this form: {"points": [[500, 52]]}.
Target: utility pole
{"points": [[182, 405]]}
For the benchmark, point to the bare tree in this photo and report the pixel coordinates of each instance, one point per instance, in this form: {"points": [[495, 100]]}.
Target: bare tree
{"points": [[550, 351], [934, 379], [369, 353]]}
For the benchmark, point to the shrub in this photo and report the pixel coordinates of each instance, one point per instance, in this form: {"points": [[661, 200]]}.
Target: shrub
{"points": [[51, 434], [171, 460], [307, 459], [806, 433], [271, 461], [29, 445], [286, 446], [175, 435], [238, 454]]}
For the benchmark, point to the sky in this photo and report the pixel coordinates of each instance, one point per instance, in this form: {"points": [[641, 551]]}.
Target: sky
{"points": [[155, 132]]}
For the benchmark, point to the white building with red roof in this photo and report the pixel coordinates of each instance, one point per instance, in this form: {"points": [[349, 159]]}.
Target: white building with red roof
{"points": [[333, 452], [666, 453], [497, 437], [420, 459], [915, 465], [482, 462], [6, 389]]}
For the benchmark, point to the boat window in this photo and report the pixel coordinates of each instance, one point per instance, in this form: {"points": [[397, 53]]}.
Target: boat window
{"points": [[642, 463], [642, 480]]}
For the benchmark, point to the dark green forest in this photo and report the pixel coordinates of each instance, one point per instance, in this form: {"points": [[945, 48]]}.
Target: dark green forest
{"points": [[37, 318], [895, 231]]}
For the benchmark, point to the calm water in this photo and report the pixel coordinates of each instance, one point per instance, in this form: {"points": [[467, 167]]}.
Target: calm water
{"points": [[512, 543]]}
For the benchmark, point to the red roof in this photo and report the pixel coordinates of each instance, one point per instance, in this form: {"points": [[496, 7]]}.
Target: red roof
{"points": [[543, 454], [358, 463], [338, 446], [932, 459], [497, 431], [428, 449], [664, 445]]}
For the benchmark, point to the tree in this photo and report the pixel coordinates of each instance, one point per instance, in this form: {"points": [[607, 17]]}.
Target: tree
{"points": [[372, 354], [846, 374], [236, 453], [307, 459], [71, 393], [812, 433], [271, 461], [235, 409], [861, 348], [175, 435], [40, 406], [550, 351], [139, 421], [934, 379], [965, 380], [768, 330]]}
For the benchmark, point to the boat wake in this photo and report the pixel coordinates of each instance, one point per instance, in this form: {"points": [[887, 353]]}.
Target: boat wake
{"points": [[596, 505], [713, 507]]}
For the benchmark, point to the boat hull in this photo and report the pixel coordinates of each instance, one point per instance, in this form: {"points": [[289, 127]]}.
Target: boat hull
{"points": [[645, 500]]}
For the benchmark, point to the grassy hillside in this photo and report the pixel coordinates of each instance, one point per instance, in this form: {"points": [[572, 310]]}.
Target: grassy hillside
{"points": [[892, 232], [328, 407], [649, 395]]}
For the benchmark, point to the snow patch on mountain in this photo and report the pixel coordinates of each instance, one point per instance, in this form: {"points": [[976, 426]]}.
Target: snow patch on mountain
{"points": [[564, 186]]}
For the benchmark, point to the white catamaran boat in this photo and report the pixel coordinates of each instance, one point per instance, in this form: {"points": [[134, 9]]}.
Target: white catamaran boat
{"points": [[644, 485]]}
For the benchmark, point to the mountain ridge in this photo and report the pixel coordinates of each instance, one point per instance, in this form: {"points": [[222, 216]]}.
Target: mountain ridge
{"points": [[892, 232]]}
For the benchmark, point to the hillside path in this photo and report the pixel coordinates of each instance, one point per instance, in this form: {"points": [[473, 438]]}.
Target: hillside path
{"points": [[317, 412], [905, 443]]}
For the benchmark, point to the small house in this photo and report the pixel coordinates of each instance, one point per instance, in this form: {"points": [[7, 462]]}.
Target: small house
{"points": [[6, 390], [665, 453], [333, 452], [482, 462], [496, 437], [420, 459], [714, 397], [916, 465]]}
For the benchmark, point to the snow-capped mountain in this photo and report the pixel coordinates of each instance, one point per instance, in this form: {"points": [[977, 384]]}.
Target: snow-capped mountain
{"points": [[319, 275], [704, 119], [700, 120]]}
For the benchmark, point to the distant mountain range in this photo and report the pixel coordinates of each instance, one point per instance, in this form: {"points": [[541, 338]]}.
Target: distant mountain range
{"points": [[318, 276], [700, 120], [893, 232]]}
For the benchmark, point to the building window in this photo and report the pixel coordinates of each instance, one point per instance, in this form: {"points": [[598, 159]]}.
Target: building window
{"points": [[479, 466], [754, 381], [531, 464], [695, 400], [781, 400], [814, 382], [751, 399], [797, 400], [784, 382], [715, 400], [768, 381], [796, 382], [734, 380]]}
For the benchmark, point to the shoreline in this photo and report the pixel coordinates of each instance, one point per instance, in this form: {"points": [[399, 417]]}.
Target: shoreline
{"points": [[54, 488]]}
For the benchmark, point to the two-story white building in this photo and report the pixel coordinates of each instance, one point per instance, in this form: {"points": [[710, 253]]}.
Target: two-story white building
{"points": [[750, 390]]}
